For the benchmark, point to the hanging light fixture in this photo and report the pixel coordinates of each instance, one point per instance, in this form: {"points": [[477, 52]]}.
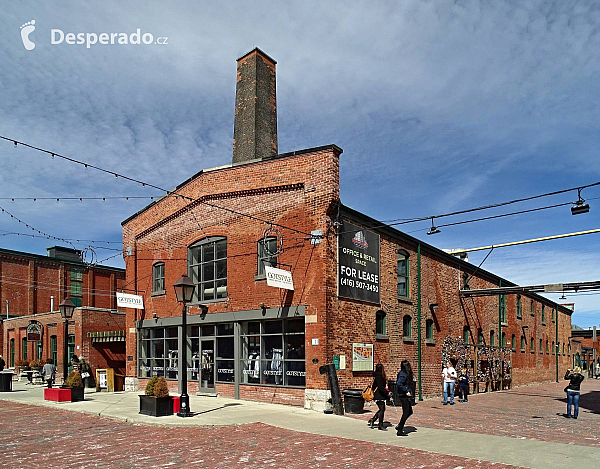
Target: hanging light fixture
{"points": [[580, 206], [433, 229]]}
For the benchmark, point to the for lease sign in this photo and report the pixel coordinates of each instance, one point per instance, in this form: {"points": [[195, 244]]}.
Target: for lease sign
{"points": [[358, 263]]}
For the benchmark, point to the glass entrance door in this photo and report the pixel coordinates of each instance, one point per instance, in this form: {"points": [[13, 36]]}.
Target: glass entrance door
{"points": [[207, 365]]}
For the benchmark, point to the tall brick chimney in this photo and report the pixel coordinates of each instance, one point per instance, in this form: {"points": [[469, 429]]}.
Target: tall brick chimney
{"points": [[255, 125]]}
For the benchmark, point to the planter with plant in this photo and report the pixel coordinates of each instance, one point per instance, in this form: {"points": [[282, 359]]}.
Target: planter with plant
{"points": [[75, 384], [36, 364], [21, 365], [156, 400]]}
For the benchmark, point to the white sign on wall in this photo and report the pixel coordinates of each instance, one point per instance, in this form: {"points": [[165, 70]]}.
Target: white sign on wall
{"points": [[125, 300], [279, 278]]}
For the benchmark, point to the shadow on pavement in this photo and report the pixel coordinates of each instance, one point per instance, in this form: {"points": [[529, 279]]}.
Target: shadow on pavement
{"points": [[589, 400], [217, 408]]}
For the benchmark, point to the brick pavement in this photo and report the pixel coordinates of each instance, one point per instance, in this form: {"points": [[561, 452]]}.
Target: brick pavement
{"points": [[34, 436], [528, 412]]}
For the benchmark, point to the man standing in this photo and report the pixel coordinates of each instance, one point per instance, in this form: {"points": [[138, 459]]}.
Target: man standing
{"points": [[2, 363], [449, 375]]}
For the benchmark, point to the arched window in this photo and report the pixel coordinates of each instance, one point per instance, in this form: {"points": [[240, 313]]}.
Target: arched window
{"points": [[466, 334], [519, 311], [543, 314], [403, 274], [553, 348], [53, 353], [266, 249], [547, 351], [492, 334], [24, 348], [479, 336], [541, 347], [503, 340], [569, 350], [532, 345], [429, 329], [513, 342], [70, 345], [207, 260], [523, 343], [380, 326], [158, 278], [563, 348], [407, 326], [12, 353]]}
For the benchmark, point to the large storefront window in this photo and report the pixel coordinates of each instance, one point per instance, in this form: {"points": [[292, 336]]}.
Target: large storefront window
{"points": [[159, 353], [271, 352]]}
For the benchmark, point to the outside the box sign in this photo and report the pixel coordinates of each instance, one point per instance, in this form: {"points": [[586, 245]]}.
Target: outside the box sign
{"points": [[358, 263]]}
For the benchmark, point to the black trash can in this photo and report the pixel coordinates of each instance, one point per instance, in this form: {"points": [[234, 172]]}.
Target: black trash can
{"points": [[6, 381], [353, 401], [393, 387]]}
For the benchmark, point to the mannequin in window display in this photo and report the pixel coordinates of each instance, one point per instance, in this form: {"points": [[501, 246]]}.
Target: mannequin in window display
{"points": [[277, 365], [195, 365]]}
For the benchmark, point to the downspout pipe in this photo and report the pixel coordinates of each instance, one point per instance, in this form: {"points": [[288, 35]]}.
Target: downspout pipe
{"points": [[556, 342], [419, 319]]}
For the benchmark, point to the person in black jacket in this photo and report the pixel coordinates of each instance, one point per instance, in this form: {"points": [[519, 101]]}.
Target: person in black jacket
{"points": [[381, 395], [575, 377], [463, 386], [404, 383]]}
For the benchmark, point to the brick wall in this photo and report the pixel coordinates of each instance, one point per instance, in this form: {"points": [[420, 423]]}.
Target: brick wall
{"points": [[288, 191], [100, 355], [354, 321]]}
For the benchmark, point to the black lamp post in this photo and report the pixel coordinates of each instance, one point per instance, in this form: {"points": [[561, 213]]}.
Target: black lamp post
{"points": [[66, 312], [184, 290]]}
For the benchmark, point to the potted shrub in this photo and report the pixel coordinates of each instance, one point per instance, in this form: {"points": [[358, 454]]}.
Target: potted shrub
{"points": [[36, 364], [75, 384], [21, 365], [156, 400]]}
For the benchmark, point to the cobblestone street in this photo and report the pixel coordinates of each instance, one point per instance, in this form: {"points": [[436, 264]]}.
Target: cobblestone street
{"points": [[47, 437], [529, 412]]}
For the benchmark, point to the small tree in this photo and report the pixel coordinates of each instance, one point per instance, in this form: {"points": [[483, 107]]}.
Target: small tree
{"points": [[150, 386], [161, 389]]}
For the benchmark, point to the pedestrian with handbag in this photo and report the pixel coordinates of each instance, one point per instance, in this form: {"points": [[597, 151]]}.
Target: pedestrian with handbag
{"points": [[573, 389], [404, 383], [381, 394], [49, 372]]}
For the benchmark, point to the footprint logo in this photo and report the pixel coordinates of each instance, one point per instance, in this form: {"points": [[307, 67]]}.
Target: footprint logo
{"points": [[26, 30]]}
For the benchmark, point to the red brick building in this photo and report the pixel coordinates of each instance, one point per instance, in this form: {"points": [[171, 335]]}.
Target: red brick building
{"points": [[363, 292], [31, 288]]}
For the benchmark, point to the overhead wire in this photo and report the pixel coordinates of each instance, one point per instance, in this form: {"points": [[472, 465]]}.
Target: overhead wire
{"points": [[143, 183]]}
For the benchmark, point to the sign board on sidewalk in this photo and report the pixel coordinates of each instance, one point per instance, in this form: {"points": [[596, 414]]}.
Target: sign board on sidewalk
{"points": [[279, 278], [125, 300], [362, 357], [34, 332]]}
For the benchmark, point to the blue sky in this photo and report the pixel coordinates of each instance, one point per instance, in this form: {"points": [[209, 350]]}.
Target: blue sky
{"points": [[439, 106]]}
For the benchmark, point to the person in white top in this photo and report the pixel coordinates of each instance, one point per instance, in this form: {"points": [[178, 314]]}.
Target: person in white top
{"points": [[449, 375]]}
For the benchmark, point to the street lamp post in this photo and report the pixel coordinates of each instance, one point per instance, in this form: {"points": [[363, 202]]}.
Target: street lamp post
{"points": [[184, 290], [66, 312]]}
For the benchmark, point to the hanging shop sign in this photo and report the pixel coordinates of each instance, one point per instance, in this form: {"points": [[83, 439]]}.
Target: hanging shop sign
{"points": [[34, 332], [125, 300], [358, 263], [362, 357], [279, 278]]}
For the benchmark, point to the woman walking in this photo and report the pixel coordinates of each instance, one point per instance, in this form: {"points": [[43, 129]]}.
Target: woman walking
{"points": [[404, 383], [381, 395], [575, 377]]}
